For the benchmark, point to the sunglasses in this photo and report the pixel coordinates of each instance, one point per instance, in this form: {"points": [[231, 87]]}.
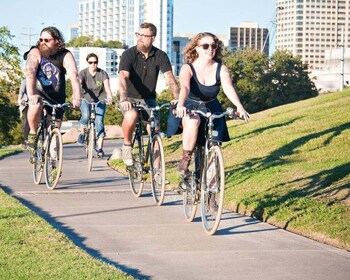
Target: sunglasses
{"points": [[206, 46], [143, 35], [92, 62], [46, 40]]}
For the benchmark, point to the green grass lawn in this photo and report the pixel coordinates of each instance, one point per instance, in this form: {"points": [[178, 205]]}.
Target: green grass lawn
{"points": [[290, 166], [33, 249]]}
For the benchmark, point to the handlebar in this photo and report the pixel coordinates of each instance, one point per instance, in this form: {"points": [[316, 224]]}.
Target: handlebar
{"points": [[100, 101], [208, 115], [148, 108], [47, 103]]}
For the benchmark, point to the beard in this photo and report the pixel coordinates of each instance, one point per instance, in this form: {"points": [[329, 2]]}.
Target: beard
{"points": [[46, 51], [142, 48]]}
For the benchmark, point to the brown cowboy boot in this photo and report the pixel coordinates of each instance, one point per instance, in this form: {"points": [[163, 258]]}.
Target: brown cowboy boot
{"points": [[184, 163]]}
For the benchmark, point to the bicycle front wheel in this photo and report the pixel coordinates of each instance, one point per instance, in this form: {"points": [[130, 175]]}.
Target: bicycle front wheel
{"points": [[136, 176], [212, 191], [53, 159], [90, 145], [157, 165], [38, 157]]}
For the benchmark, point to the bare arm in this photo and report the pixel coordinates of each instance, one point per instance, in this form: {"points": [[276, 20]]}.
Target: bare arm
{"points": [[72, 72], [185, 77], [230, 92], [170, 80], [107, 87], [122, 89], [31, 69]]}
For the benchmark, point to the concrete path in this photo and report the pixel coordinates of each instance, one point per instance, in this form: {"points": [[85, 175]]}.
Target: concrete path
{"points": [[98, 212]]}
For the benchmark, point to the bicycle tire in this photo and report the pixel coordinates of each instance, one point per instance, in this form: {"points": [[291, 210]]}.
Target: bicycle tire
{"points": [[91, 145], [39, 156], [157, 167], [53, 159], [191, 194], [212, 190], [136, 176]]}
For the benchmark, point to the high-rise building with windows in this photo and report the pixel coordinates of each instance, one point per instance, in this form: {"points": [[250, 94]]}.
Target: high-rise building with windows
{"points": [[249, 35], [309, 27], [120, 19]]}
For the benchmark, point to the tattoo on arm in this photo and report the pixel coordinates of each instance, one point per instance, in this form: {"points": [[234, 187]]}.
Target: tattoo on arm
{"points": [[122, 87], [31, 66], [170, 79]]}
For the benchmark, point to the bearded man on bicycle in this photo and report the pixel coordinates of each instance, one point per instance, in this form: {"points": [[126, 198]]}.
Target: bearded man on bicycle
{"points": [[47, 63], [138, 74], [96, 87]]}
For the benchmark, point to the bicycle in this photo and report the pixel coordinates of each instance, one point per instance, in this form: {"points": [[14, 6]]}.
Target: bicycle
{"points": [[47, 156], [205, 184], [149, 158], [90, 133]]}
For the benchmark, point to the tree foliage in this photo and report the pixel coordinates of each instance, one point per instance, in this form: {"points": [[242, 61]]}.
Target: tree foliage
{"points": [[264, 83], [88, 41], [10, 76]]}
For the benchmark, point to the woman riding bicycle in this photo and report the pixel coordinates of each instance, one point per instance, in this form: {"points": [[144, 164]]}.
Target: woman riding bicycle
{"points": [[95, 87], [200, 81]]}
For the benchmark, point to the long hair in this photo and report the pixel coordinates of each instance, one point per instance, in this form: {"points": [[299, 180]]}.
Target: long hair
{"points": [[190, 53], [55, 33]]}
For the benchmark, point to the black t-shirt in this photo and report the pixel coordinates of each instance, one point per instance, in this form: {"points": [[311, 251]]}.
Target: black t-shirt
{"points": [[144, 73], [51, 81]]}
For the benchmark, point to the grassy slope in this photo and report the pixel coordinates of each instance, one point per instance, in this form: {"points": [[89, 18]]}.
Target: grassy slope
{"points": [[290, 166]]}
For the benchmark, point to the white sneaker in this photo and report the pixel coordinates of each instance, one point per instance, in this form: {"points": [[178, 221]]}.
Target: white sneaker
{"points": [[127, 155]]}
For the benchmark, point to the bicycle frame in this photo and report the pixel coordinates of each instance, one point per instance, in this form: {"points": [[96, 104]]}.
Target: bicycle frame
{"points": [[149, 158], [197, 184]]}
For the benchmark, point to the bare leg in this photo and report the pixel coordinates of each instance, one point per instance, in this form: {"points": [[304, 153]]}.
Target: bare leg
{"points": [[34, 115], [128, 125], [190, 132]]}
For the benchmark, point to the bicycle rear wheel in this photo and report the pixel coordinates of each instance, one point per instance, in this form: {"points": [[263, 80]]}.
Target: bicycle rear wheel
{"points": [[157, 167], [38, 157], [53, 159], [212, 191], [90, 145], [136, 176]]}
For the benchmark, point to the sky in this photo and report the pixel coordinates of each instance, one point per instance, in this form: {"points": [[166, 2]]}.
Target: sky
{"points": [[26, 18]]}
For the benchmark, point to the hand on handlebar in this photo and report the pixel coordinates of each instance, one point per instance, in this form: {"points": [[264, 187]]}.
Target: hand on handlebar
{"points": [[125, 105], [243, 114], [180, 111], [109, 101], [76, 103], [34, 99]]}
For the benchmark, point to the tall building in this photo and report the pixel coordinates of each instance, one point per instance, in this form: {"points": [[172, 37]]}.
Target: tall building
{"points": [[309, 27], [120, 19], [249, 35], [73, 31]]}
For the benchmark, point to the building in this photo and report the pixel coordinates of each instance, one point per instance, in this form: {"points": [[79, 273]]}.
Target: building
{"points": [[119, 20], [309, 27], [179, 42], [73, 31], [249, 35]]}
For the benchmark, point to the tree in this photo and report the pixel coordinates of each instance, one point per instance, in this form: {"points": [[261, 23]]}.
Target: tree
{"points": [[263, 83], [10, 76], [88, 41], [290, 81], [248, 68]]}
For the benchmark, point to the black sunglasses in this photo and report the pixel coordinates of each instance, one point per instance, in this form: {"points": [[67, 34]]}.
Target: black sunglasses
{"points": [[206, 46], [46, 40], [92, 62]]}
